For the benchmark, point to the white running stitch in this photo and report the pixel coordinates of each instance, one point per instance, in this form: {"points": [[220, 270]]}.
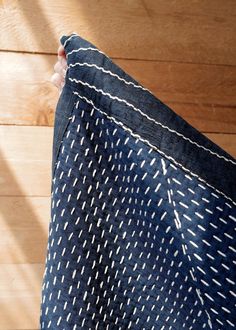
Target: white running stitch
{"points": [[184, 246], [110, 73], [85, 48], [137, 86], [150, 119], [153, 147], [74, 34]]}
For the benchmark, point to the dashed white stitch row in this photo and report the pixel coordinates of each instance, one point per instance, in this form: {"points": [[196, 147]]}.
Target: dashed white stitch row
{"points": [[108, 72], [204, 187], [184, 248], [149, 118], [154, 147]]}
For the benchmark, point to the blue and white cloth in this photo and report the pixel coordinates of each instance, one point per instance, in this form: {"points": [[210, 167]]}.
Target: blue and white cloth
{"points": [[143, 210]]}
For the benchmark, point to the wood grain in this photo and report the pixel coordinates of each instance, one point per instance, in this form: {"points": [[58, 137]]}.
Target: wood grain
{"points": [[183, 31], [28, 97], [25, 160], [24, 225], [20, 295], [204, 95]]}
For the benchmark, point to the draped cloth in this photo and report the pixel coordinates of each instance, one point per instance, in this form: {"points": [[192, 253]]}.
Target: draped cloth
{"points": [[143, 209]]}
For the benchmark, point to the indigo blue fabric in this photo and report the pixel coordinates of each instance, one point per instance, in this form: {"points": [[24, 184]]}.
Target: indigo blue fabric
{"points": [[143, 209]]}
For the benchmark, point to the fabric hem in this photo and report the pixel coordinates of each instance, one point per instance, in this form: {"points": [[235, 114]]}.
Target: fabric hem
{"points": [[155, 122]]}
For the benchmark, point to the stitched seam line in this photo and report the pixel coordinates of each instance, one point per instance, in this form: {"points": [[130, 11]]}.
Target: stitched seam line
{"points": [[108, 72], [154, 147], [150, 119], [85, 48]]}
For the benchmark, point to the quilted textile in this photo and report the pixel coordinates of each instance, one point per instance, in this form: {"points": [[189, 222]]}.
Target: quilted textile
{"points": [[143, 211]]}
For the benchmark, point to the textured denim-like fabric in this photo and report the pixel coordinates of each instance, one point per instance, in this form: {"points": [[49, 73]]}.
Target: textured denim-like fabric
{"points": [[143, 211]]}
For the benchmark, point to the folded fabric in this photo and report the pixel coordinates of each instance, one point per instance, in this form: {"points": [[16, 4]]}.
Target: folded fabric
{"points": [[143, 209]]}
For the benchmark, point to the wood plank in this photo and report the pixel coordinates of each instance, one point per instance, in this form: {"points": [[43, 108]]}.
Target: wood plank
{"points": [[25, 160], [28, 97], [20, 295], [25, 178], [175, 31], [204, 95], [24, 227], [26, 143]]}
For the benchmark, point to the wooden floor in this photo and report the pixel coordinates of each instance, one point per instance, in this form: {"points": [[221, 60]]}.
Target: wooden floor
{"points": [[184, 51]]}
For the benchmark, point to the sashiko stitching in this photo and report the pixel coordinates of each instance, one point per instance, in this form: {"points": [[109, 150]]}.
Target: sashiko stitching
{"points": [[137, 240]]}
